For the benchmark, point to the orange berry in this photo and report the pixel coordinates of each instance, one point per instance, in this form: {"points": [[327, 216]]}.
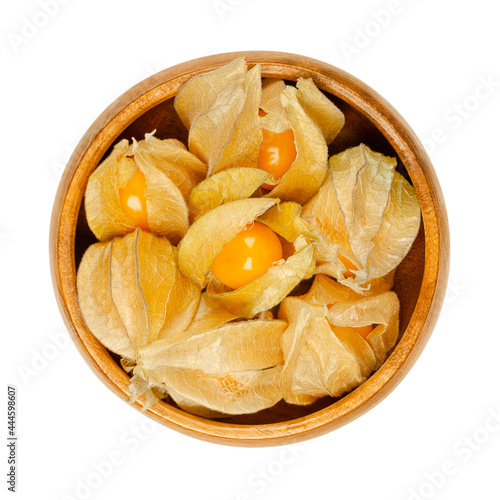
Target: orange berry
{"points": [[247, 256], [133, 201], [277, 153]]}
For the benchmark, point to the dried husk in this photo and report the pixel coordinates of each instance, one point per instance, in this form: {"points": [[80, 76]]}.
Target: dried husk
{"points": [[276, 120], [176, 143], [316, 362], [182, 304], [126, 289], [381, 310], [325, 114], [139, 386], [170, 173], [403, 216], [104, 214], [210, 314], [215, 396], [323, 354], [167, 212], [229, 185], [310, 166], [241, 346], [321, 362], [171, 156], [367, 212], [220, 110], [208, 235], [371, 287], [232, 369], [325, 291], [200, 93], [271, 95], [115, 283], [326, 295], [329, 119], [96, 304], [285, 219]]}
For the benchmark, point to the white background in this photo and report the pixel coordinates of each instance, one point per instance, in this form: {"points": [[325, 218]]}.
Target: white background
{"points": [[428, 59]]}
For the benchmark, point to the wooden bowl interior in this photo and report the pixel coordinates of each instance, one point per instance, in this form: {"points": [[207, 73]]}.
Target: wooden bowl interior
{"points": [[357, 129]]}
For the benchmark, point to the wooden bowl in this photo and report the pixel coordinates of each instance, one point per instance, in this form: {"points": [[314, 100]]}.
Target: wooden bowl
{"points": [[420, 280]]}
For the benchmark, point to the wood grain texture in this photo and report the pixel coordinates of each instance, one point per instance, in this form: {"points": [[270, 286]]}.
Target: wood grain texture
{"points": [[420, 280]]}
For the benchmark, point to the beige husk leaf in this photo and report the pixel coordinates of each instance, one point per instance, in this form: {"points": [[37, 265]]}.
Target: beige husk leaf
{"points": [[210, 314], [182, 304], [310, 166], [329, 119], [170, 173], [367, 211], [338, 300], [320, 109], [178, 144], [245, 345], [275, 119], [171, 156], [323, 354], [200, 93], [325, 291], [220, 110], [129, 292], [208, 235], [315, 122], [271, 96], [213, 396], [225, 186], [96, 304], [381, 310], [285, 219], [232, 369], [316, 362]]}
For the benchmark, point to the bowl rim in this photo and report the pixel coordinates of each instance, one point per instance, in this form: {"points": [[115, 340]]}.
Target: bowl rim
{"points": [[164, 85]]}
